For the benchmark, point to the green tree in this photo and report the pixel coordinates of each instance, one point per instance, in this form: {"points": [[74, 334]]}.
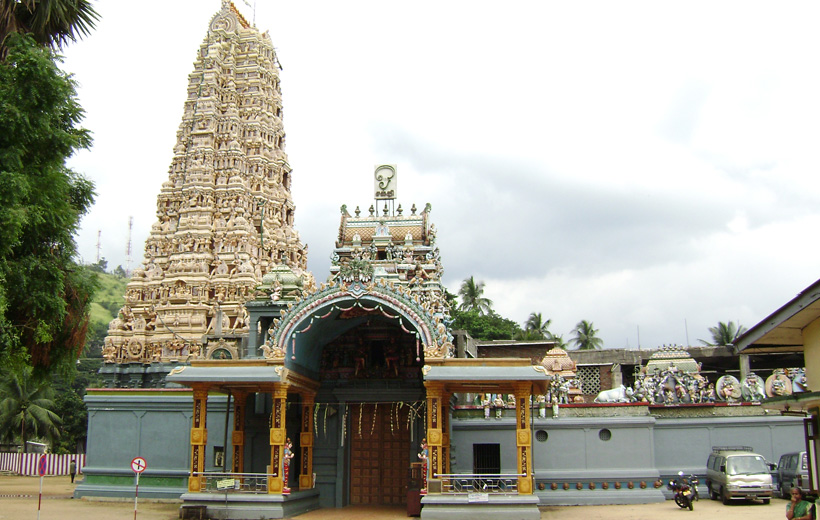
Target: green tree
{"points": [[52, 23], [535, 328], [27, 408], [559, 341], [44, 293], [472, 297], [485, 326], [584, 336], [724, 333]]}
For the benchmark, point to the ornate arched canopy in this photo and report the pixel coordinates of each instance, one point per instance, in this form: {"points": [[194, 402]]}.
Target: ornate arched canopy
{"points": [[310, 323]]}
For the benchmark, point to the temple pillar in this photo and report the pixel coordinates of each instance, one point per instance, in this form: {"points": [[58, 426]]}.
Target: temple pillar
{"points": [[523, 437], [435, 397], [306, 443], [278, 436], [445, 432], [199, 438], [238, 434], [745, 366]]}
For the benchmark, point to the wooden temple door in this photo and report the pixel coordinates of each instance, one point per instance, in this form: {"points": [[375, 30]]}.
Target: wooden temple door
{"points": [[379, 455]]}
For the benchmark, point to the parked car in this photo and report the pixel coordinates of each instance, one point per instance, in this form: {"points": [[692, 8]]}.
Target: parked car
{"points": [[792, 470], [736, 472]]}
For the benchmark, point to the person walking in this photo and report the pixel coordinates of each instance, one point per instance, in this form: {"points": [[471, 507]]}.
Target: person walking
{"points": [[72, 469]]}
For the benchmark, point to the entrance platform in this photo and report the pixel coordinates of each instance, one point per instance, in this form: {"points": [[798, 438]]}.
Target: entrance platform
{"points": [[460, 507], [250, 506]]}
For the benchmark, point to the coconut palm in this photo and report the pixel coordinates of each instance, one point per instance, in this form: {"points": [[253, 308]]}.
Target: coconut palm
{"points": [[51, 22], [535, 328], [26, 408], [584, 336], [724, 333], [472, 297]]}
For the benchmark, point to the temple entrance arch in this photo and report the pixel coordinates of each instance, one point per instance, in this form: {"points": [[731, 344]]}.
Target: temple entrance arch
{"points": [[365, 346]]}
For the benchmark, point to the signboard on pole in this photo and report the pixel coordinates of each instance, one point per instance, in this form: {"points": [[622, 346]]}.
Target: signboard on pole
{"points": [[41, 470], [385, 182], [138, 465]]}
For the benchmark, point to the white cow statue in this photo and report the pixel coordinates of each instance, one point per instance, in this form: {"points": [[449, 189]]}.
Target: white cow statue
{"points": [[616, 395]]}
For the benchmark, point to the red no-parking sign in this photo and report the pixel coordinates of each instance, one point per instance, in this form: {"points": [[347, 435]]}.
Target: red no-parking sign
{"points": [[138, 465], [41, 465]]}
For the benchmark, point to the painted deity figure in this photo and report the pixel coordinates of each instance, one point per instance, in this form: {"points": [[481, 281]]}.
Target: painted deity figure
{"points": [[286, 463], [542, 406], [423, 453], [498, 402]]}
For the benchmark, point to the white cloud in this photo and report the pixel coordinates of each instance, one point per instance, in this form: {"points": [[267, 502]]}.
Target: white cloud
{"points": [[637, 164]]}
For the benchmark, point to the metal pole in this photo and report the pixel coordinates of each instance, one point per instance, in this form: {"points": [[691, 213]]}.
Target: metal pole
{"points": [[136, 492], [40, 497]]}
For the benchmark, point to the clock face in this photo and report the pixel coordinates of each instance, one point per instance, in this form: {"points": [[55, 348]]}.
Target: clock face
{"points": [[221, 353], [385, 182]]}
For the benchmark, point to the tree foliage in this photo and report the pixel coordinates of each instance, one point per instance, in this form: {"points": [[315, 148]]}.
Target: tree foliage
{"points": [[535, 328], [724, 334], [584, 336], [485, 326], [27, 408], [44, 293], [472, 297], [51, 23]]}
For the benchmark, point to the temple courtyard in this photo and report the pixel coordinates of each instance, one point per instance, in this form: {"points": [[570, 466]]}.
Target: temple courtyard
{"points": [[18, 499]]}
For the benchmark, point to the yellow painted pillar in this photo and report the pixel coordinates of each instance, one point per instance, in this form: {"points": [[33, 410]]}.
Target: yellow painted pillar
{"points": [[199, 438], [523, 437], [445, 432], [278, 435], [238, 434], [435, 393], [306, 443]]}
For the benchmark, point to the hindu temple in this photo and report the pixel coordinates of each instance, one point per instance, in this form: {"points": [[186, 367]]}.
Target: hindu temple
{"points": [[253, 391]]}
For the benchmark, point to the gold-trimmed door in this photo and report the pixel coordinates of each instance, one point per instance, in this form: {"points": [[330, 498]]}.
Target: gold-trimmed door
{"points": [[379, 455]]}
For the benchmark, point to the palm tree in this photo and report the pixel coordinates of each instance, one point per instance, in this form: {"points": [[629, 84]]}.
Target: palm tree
{"points": [[584, 336], [724, 334], [558, 339], [535, 328], [472, 297], [26, 408], [51, 22]]}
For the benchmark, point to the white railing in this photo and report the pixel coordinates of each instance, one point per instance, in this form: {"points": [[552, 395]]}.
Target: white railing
{"points": [[26, 463], [216, 482], [489, 483]]}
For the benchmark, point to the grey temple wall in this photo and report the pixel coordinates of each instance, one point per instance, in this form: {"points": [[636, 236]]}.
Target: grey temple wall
{"points": [[640, 448]]}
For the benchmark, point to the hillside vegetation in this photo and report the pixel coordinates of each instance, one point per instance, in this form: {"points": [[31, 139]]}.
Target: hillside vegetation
{"points": [[106, 304]]}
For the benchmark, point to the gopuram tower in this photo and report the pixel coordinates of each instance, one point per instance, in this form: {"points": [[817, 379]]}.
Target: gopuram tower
{"points": [[225, 214]]}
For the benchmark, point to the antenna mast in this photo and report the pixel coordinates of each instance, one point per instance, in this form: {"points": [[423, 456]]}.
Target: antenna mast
{"points": [[128, 247], [99, 233]]}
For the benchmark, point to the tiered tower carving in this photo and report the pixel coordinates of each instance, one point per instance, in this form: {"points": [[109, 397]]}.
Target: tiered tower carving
{"points": [[225, 214]]}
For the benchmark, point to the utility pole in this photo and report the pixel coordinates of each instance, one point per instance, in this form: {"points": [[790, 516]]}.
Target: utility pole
{"points": [[128, 247]]}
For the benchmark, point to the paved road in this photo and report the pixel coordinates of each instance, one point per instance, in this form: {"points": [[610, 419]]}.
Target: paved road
{"points": [[18, 499]]}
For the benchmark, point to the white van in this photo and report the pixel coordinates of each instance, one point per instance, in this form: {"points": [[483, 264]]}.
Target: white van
{"points": [[736, 472]]}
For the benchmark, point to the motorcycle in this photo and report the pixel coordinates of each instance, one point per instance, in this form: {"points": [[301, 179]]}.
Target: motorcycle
{"points": [[685, 489]]}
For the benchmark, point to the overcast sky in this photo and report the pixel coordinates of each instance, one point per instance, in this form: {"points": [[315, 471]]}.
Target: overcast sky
{"points": [[649, 166]]}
